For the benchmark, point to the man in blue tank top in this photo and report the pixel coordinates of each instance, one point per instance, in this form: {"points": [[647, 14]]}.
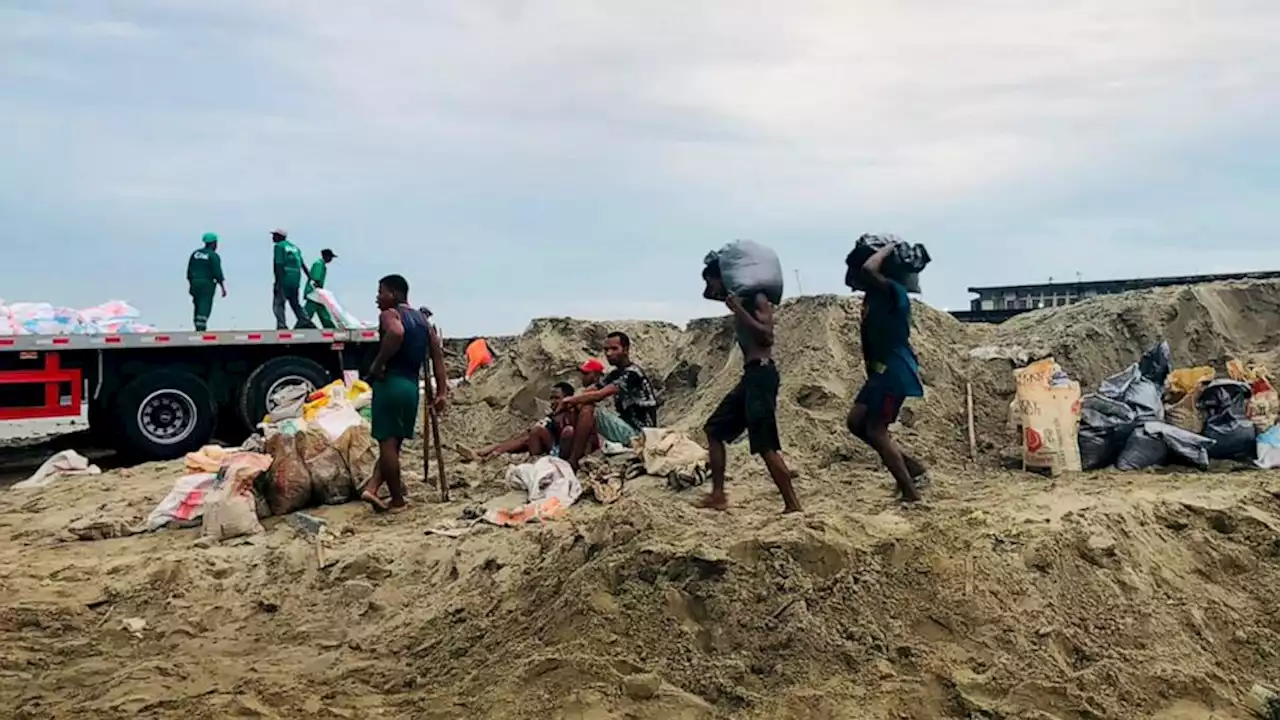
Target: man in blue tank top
{"points": [[406, 341], [893, 373]]}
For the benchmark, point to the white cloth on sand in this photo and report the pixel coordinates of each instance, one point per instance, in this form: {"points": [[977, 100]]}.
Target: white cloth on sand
{"points": [[63, 464]]}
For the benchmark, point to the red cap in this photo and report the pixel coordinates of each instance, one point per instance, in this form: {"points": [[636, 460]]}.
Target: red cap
{"points": [[592, 366]]}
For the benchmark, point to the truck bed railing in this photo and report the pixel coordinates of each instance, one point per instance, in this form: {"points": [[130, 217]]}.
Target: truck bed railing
{"points": [[184, 338]]}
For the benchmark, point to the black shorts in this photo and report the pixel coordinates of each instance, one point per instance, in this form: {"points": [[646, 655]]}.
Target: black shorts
{"points": [[751, 406], [552, 427], [883, 402]]}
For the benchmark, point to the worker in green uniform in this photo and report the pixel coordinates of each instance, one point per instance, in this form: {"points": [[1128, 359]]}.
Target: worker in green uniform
{"points": [[204, 276], [319, 271], [287, 269]]}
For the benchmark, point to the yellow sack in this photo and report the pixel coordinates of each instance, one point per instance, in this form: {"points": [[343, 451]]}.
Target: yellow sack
{"points": [[1185, 414], [1184, 380], [1050, 419]]}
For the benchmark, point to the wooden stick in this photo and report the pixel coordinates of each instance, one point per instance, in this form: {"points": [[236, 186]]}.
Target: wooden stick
{"points": [[433, 423], [973, 437]]}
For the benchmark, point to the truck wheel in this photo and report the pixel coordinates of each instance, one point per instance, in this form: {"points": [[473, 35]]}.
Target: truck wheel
{"points": [[164, 415], [270, 377]]}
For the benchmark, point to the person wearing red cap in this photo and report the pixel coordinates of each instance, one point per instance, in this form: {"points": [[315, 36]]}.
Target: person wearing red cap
{"points": [[592, 370], [635, 404]]}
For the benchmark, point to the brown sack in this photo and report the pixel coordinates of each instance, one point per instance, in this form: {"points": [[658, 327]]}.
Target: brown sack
{"points": [[290, 486]]}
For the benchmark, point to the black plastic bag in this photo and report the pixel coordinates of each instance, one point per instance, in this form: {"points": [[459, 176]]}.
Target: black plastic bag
{"points": [[1184, 445], [1139, 392], [1145, 448], [1226, 421], [1105, 426], [1157, 363], [904, 264]]}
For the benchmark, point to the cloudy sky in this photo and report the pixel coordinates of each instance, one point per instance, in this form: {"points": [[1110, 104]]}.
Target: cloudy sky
{"points": [[520, 158]]}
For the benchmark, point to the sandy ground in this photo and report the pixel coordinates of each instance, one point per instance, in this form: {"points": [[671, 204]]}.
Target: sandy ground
{"points": [[1106, 597], [1005, 595]]}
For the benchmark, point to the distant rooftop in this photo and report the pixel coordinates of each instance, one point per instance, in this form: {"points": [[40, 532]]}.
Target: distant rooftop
{"points": [[1132, 283]]}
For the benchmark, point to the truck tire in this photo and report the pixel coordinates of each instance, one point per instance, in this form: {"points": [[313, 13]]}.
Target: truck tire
{"points": [[164, 415], [272, 375]]}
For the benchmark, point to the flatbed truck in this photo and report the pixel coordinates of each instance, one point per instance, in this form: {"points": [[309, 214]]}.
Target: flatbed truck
{"points": [[160, 395]]}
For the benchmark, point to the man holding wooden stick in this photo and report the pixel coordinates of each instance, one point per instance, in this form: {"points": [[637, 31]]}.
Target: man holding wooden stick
{"points": [[406, 339]]}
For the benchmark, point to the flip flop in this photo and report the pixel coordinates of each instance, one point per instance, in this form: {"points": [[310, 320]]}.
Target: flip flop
{"points": [[374, 501]]}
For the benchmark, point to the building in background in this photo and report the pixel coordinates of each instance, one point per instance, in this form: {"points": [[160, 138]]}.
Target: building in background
{"points": [[998, 303]]}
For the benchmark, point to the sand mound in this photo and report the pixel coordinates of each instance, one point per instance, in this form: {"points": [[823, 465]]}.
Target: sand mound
{"points": [[1105, 595], [1204, 324], [818, 353]]}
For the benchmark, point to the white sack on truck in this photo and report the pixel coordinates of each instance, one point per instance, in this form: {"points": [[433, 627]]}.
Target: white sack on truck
{"points": [[747, 268], [341, 317], [109, 318]]}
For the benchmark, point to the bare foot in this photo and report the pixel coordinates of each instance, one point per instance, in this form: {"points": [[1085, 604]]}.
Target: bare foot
{"points": [[791, 510], [467, 454], [397, 509], [715, 501], [375, 502]]}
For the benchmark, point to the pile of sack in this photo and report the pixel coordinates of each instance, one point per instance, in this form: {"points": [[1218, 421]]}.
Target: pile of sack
{"points": [[218, 493], [1151, 414], [320, 445], [315, 449], [110, 318]]}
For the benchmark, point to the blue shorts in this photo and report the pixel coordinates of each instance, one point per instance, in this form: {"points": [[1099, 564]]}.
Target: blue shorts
{"points": [[883, 401]]}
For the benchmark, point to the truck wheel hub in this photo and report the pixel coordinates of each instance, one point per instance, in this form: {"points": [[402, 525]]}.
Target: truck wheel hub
{"points": [[167, 416]]}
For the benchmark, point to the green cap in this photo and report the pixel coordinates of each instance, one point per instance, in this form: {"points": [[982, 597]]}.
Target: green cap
{"points": [[210, 238]]}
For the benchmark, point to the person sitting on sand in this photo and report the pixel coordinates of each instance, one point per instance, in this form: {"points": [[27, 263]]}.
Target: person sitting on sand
{"points": [[406, 340], [552, 435], [751, 406], [635, 402], [893, 373]]}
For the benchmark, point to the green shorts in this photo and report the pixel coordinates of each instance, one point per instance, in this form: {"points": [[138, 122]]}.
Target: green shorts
{"points": [[394, 408], [611, 427]]}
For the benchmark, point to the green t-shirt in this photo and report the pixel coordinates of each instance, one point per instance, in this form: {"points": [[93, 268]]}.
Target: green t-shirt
{"points": [[288, 260], [319, 269], [204, 267]]}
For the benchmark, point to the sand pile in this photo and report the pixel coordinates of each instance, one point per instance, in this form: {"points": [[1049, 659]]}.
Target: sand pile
{"points": [[818, 353], [1204, 324], [1105, 595]]}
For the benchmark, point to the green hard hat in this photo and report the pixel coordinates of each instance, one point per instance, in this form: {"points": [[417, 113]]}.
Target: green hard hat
{"points": [[210, 238]]}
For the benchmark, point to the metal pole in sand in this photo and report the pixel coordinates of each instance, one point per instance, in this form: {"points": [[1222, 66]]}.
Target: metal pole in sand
{"points": [[433, 425], [973, 438]]}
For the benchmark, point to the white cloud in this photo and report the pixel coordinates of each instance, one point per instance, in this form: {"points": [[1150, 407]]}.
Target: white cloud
{"points": [[528, 136], [900, 103]]}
